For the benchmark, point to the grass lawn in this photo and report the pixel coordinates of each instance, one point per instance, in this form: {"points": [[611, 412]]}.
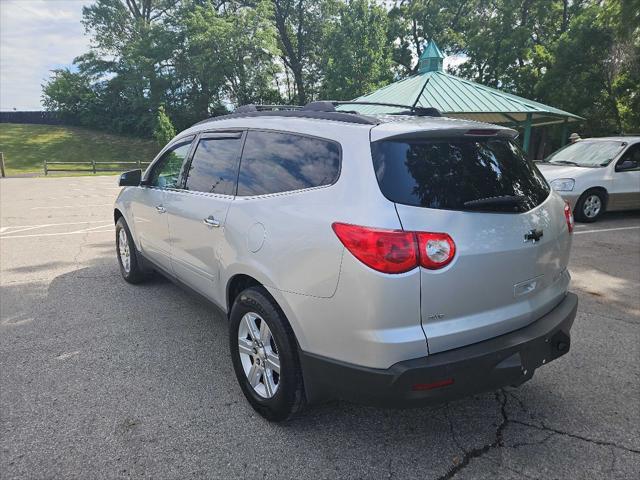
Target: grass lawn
{"points": [[25, 148]]}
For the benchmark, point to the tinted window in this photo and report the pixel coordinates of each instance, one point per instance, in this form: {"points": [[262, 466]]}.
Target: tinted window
{"points": [[166, 173], [446, 174], [214, 167], [280, 162]]}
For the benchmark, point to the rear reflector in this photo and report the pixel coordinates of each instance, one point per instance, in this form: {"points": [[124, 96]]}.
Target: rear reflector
{"points": [[430, 386], [396, 251]]}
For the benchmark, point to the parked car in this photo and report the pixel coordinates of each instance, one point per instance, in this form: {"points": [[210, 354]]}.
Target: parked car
{"points": [[596, 175], [390, 260]]}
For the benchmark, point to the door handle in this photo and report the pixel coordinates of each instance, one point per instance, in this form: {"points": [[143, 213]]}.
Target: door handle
{"points": [[161, 209], [210, 221]]}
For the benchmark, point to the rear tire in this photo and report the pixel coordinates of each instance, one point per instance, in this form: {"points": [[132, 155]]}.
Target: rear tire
{"points": [[126, 252], [265, 356], [590, 206]]}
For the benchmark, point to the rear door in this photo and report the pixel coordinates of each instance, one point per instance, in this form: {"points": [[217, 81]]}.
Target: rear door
{"points": [[149, 209], [197, 213], [511, 235]]}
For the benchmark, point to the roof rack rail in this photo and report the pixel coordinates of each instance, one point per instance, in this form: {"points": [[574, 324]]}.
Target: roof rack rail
{"points": [[265, 108], [330, 106]]}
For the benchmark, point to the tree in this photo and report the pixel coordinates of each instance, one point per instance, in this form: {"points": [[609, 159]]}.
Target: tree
{"points": [[413, 23], [358, 56], [585, 71], [228, 56], [299, 26], [70, 94], [198, 58], [163, 131]]}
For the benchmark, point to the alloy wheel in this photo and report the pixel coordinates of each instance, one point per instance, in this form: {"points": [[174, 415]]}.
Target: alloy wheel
{"points": [[592, 206], [259, 355], [123, 250]]}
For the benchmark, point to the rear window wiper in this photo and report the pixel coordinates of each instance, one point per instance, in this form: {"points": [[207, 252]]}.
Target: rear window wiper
{"points": [[501, 201]]}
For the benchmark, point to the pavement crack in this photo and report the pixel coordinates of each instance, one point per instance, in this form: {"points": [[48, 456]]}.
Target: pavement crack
{"points": [[498, 441], [556, 431]]}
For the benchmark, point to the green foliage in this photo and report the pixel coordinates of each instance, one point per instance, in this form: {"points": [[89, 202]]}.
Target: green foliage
{"points": [[70, 94], [198, 58], [358, 56], [164, 130], [25, 147]]}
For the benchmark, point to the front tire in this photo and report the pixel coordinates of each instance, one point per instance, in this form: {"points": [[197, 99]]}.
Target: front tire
{"points": [[265, 356], [590, 206], [130, 268]]}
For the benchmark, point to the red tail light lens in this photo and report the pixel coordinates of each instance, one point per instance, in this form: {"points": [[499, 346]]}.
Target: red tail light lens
{"points": [[388, 251], [396, 251], [436, 249], [568, 215]]}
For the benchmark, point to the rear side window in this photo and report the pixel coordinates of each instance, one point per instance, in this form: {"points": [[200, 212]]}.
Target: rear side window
{"points": [[214, 167], [275, 162], [455, 174]]}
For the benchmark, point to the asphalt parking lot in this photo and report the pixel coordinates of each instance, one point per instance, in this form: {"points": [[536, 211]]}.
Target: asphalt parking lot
{"points": [[102, 379]]}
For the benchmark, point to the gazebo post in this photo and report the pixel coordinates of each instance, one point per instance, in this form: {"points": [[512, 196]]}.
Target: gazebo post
{"points": [[527, 134], [565, 131]]}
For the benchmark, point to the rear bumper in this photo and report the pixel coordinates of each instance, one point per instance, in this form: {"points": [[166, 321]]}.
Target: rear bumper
{"points": [[509, 359]]}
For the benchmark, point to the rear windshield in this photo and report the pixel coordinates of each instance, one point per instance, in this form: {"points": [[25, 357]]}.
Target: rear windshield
{"points": [[458, 174]]}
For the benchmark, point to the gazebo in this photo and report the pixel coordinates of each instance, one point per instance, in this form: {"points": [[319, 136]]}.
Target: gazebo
{"points": [[460, 98]]}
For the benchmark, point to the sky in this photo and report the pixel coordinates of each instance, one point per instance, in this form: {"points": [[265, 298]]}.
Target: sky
{"points": [[36, 36]]}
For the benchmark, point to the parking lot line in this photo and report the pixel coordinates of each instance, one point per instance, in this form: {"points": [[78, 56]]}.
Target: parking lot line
{"points": [[73, 206], [43, 225], [607, 230], [36, 235]]}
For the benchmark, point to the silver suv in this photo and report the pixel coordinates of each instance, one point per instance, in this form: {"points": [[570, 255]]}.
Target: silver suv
{"points": [[390, 260]]}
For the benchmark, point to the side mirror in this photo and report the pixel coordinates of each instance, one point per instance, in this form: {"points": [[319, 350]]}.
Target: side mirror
{"points": [[131, 178], [627, 165]]}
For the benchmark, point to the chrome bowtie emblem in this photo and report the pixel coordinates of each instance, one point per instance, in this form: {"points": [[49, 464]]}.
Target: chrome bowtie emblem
{"points": [[533, 235]]}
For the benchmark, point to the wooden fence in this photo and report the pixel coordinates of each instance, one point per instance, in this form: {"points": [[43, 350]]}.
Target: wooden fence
{"points": [[92, 166]]}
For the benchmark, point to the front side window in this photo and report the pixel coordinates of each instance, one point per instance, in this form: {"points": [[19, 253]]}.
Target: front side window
{"points": [[631, 155], [274, 162], [458, 174], [166, 173], [214, 167]]}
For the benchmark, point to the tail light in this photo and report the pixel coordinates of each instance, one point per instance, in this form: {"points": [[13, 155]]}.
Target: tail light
{"points": [[436, 249], [568, 215], [396, 251]]}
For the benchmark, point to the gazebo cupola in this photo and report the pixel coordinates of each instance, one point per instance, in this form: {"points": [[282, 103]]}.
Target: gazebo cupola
{"points": [[431, 59]]}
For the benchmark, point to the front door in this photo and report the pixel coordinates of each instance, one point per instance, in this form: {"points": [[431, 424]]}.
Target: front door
{"points": [[197, 213], [149, 210], [625, 189]]}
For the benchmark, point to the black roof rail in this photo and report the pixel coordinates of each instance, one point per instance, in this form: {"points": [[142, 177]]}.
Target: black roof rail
{"points": [[323, 110], [330, 106], [264, 108], [352, 117]]}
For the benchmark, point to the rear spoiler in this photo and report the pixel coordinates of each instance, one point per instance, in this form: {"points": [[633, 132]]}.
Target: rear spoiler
{"points": [[438, 128]]}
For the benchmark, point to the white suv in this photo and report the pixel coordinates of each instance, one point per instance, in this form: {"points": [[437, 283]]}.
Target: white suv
{"points": [[391, 260]]}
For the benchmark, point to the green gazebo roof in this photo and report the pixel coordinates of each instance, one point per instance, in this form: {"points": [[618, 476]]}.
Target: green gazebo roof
{"points": [[460, 98]]}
